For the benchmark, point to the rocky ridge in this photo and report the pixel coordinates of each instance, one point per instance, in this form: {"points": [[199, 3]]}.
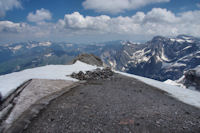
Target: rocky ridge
{"points": [[191, 79]]}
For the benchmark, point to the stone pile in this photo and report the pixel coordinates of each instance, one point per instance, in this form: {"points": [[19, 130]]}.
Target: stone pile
{"points": [[96, 74]]}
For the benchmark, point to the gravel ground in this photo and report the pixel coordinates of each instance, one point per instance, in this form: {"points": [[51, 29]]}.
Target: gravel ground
{"points": [[116, 105]]}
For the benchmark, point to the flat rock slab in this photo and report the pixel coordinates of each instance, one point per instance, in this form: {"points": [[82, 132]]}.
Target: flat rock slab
{"points": [[118, 105], [36, 90]]}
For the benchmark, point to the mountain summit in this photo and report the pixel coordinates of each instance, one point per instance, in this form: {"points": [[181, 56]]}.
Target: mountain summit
{"points": [[89, 59]]}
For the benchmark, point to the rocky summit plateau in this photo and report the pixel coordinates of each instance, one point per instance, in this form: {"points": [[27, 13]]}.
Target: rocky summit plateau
{"points": [[82, 97]]}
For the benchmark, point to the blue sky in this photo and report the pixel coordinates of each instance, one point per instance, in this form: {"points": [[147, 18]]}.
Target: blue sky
{"points": [[95, 20]]}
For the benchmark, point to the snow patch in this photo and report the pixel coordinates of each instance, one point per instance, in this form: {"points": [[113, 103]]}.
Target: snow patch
{"points": [[189, 41], [173, 40], [187, 47], [17, 47], [139, 56], [145, 59], [171, 82], [48, 55], [158, 58], [163, 57], [45, 43], [180, 40], [14, 49], [185, 37], [32, 46], [123, 68], [176, 64]]}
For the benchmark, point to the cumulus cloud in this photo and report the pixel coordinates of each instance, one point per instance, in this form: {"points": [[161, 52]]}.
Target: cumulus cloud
{"points": [[39, 16], [6, 5], [158, 21], [140, 25], [10, 27], [11, 32], [78, 21], [116, 6], [158, 15]]}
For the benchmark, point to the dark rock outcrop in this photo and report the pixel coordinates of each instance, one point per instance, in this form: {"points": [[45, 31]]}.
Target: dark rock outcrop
{"points": [[96, 74], [89, 59], [192, 78]]}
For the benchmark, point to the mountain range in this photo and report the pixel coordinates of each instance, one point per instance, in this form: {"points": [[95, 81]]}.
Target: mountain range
{"points": [[161, 58]]}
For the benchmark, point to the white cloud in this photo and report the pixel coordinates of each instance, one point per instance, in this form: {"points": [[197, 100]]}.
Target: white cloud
{"points": [[139, 26], [77, 21], [116, 6], [6, 5], [155, 22], [39, 16], [11, 32], [158, 15], [10, 27]]}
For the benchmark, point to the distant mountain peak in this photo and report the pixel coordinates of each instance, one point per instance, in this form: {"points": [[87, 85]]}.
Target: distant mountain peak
{"points": [[89, 59]]}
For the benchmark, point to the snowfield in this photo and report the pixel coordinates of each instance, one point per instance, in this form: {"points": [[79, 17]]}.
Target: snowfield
{"points": [[9, 82], [187, 96], [171, 82]]}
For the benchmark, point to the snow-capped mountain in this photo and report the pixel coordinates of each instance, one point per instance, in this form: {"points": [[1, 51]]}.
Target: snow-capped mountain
{"points": [[161, 58]]}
